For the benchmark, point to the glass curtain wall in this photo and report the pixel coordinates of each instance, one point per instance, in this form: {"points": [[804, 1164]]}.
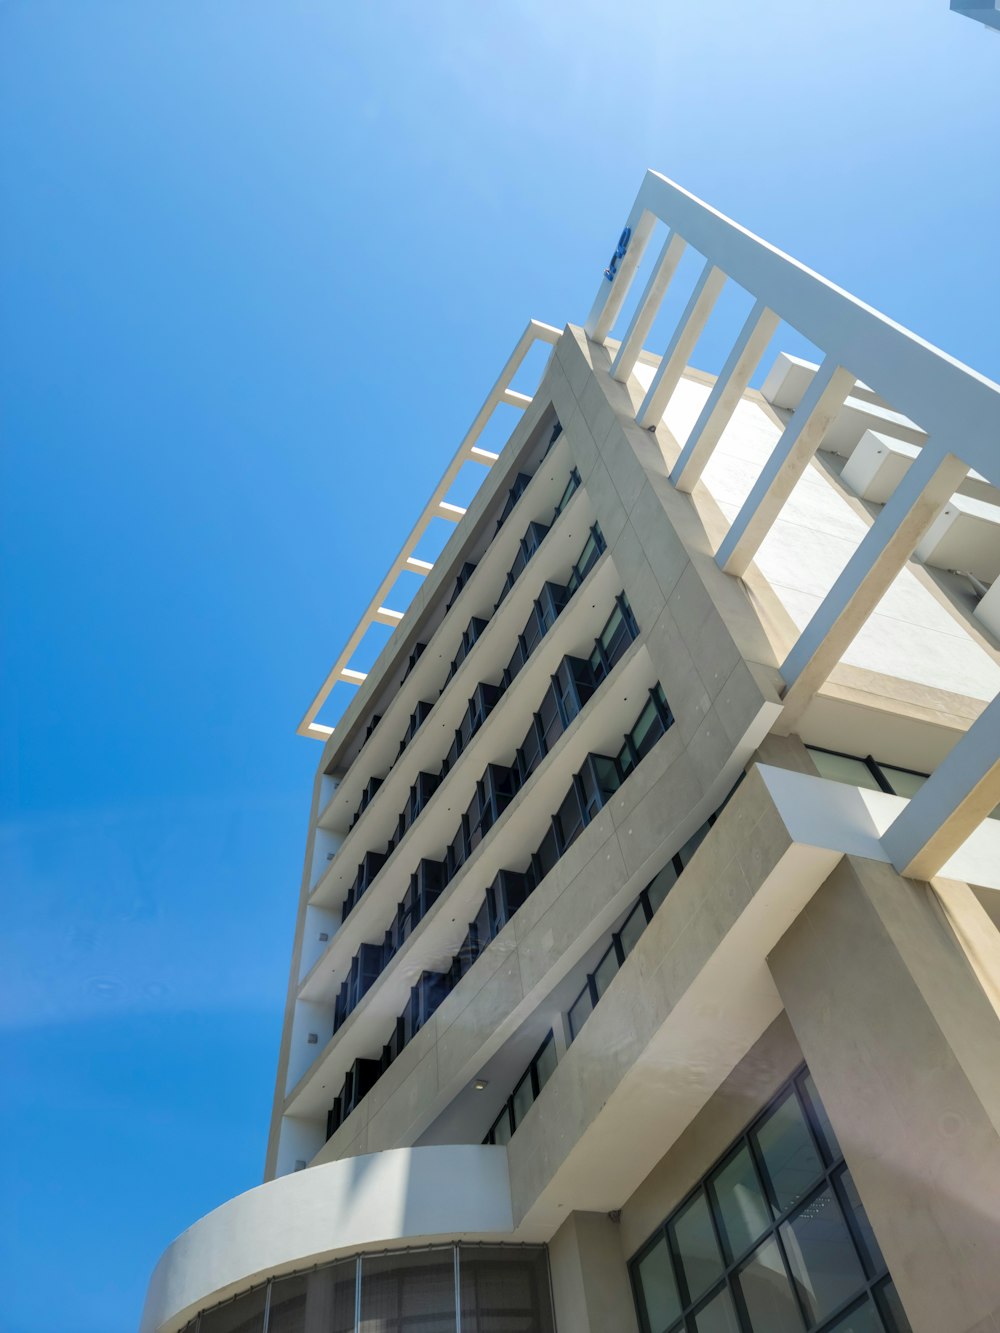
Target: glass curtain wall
{"points": [[492, 1288]]}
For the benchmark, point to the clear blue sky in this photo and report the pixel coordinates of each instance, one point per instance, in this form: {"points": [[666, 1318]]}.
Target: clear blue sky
{"points": [[261, 260]]}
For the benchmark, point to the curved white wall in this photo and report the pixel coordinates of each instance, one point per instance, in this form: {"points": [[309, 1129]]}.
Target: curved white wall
{"points": [[406, 1195]]}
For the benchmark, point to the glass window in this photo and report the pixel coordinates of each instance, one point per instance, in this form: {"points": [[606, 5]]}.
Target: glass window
{"points": [[870, 1249], [654, 1275], [243, 1315], [661, 885], [693, 1236], [843, 768], [523, 1098], [718, 1316], [545, 1063], [580, 1010], [822, 1256], [862, 1319], [693, 843], [767, 1293], [902, 781], [327, 1293], [647, 730], [893, 1314], [820, 1117], [504, 1290], [605, 972], [743, 1210], [408, 1293], [501, 1131], [635, 924], [790, 1157]]}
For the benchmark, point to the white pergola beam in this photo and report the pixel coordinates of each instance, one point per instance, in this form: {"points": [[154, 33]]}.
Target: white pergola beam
{"points": [[798, 443], [514, 399], [960, 793], [682, 344], [726, 393], [923, 492], [437, 506], [611, 295], [649, 304]]}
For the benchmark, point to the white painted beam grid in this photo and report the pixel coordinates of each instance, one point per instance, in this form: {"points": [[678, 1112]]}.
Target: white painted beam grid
{"points": [[436, 507], [956, 409]]}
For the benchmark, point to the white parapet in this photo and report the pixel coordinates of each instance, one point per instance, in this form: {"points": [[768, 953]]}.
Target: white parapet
{"points": [[404, 1196]]}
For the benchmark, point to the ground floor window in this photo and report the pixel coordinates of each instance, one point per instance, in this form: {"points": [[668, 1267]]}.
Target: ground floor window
{"points": [[773, 1240], [437, 1289]]}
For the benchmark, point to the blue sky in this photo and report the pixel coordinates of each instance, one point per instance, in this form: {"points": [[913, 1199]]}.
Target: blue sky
{"points": [[260, 262]]}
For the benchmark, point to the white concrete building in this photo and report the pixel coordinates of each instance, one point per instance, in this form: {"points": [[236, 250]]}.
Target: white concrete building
{"points": [[647, 971]]}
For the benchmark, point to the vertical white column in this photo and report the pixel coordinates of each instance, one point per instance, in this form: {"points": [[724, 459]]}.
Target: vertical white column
{"points": [[801, 438], [611, 295], [649, 304], [687, 333], [726, 393]]}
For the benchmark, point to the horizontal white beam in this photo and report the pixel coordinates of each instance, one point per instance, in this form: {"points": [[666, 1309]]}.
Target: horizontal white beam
{"points": [[515, 399], [946, 398], [386, 616], [436, 507]]}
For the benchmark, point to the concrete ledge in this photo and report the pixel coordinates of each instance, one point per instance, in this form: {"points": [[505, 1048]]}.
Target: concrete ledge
{"points": [[409, 1195]]}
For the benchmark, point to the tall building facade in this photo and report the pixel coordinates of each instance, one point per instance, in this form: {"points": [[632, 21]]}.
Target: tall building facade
{"points": [[646, 973]]}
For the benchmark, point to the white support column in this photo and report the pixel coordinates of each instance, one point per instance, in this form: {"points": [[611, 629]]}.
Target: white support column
{"points": [[951, 804], [611, 295], [925, 489], [649, 304], [801, 438], [726, 393], [687, 333]]}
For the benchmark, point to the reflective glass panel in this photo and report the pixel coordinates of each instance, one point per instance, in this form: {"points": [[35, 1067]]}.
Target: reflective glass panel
{"points": [[661, 885], [790, 1156], [864, 1319], [322, 1299], [742, 1207], [822, 1256], [522, 1099], [718, 1316], [630, 932], [767, 1292], [658, 1288], [580, 1011], [820, 1117], [545, 1064], [244, 1315], [696, 1245], [842, 768], [902, 782], [863, 1228], [605, 971], [501, 1129], [504, 1291], [408, 1293], [893, 1314]]}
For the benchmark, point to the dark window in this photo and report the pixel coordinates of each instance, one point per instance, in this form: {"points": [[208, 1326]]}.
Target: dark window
{"points": [[774, 1238], [465, 573], [513, 495], [571, 487]]}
